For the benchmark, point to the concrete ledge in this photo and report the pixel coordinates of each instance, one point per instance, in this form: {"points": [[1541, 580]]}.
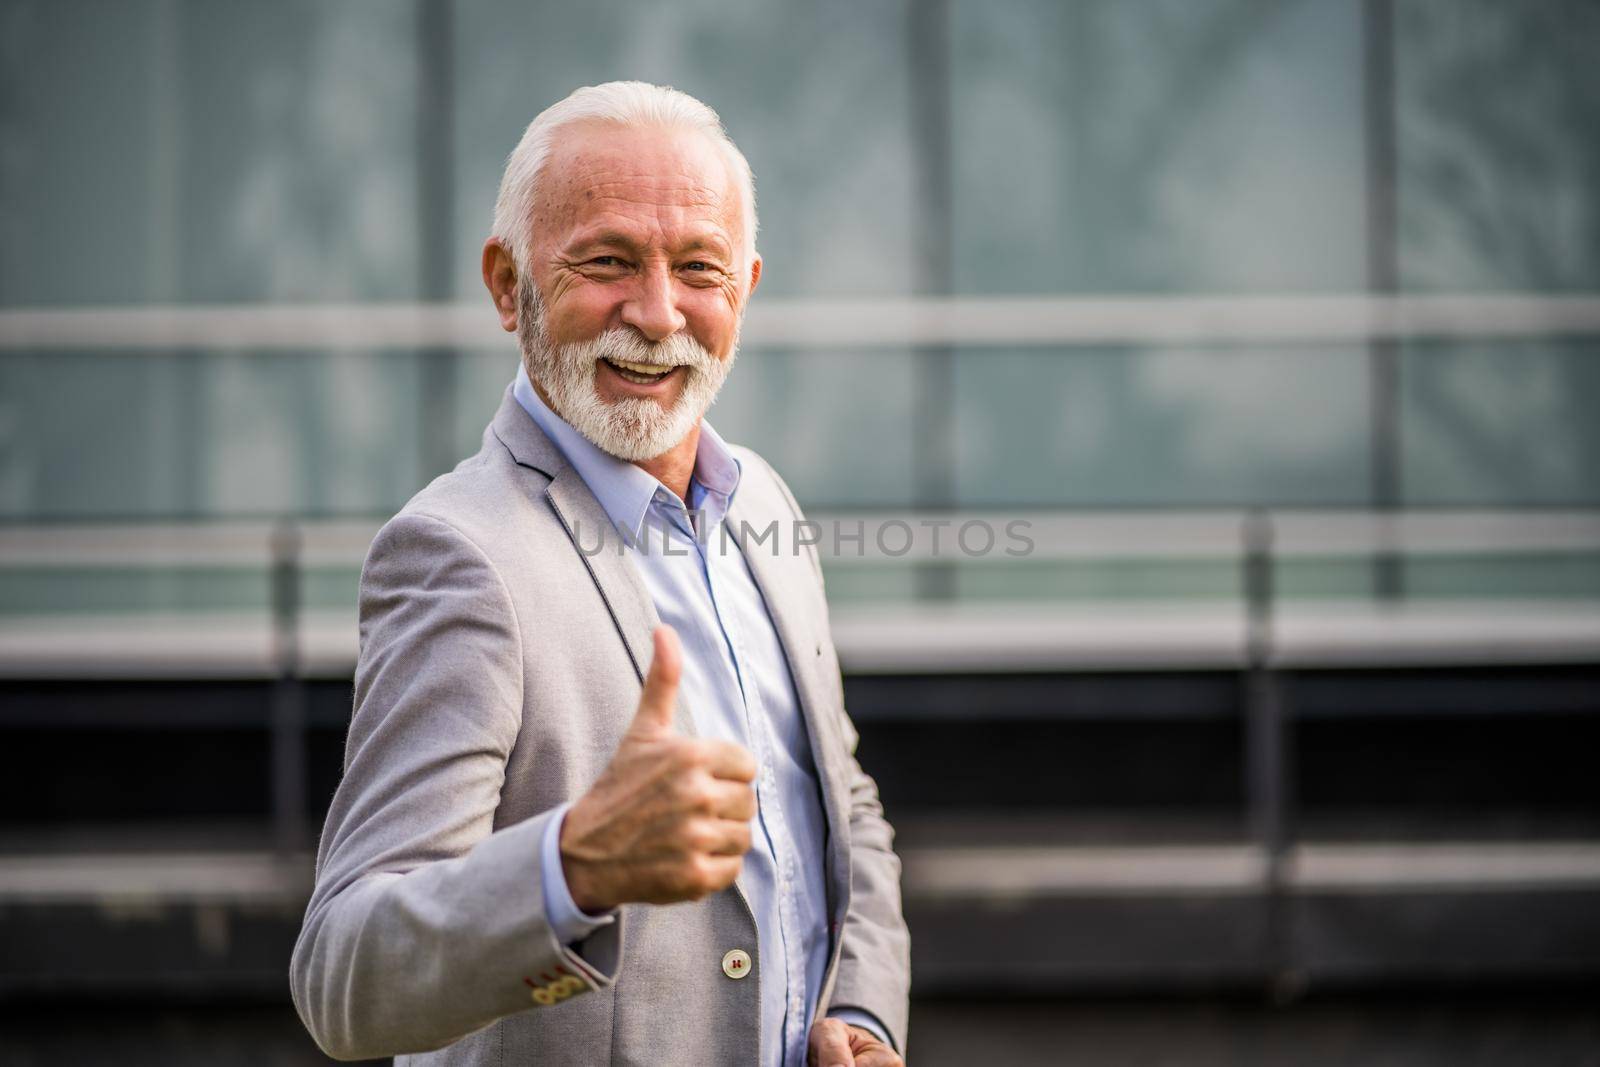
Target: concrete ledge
{"points": [[937, 639]]}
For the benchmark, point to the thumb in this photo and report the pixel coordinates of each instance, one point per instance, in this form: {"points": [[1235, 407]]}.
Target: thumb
{"points": [[659, 700]]}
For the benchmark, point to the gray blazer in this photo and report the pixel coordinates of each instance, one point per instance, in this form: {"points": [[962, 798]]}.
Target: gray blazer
{"points": [[499, 669]]}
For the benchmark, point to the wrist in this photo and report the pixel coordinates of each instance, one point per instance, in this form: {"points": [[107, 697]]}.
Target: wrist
{"points": [[582, 884]]}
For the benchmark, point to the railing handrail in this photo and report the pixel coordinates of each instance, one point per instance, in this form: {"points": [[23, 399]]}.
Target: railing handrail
{"points": [[1056, 535], [907, 322]]}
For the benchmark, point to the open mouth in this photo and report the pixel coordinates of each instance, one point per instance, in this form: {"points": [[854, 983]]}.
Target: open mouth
{"points": [[638, 373]]}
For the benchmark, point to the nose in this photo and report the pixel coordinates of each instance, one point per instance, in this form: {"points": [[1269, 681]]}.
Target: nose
{"points": [[653, 309]]}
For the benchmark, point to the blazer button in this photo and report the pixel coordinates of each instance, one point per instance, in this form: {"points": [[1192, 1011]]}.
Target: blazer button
{"points": [[736, 963]]}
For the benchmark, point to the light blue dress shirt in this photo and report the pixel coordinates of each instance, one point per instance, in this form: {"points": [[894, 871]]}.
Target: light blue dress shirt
{"points": [[735, 686]]}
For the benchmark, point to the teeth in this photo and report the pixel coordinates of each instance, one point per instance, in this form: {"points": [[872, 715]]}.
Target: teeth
{"points": [[646, 369]]}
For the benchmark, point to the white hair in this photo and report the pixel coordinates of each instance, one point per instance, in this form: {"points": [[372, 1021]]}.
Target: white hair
{"points": [[627, 103]]}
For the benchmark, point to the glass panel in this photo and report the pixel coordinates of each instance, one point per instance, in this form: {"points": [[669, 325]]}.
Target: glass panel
{"points": [[86, 434], [120, 591], [1499, 168], [74, 103], [1161, 426], [1099, 580], [836, 425], [324, 433], [821, 111], [1501, 423], [208, 152], [1110, 145], [482, 375], [125, 435]]}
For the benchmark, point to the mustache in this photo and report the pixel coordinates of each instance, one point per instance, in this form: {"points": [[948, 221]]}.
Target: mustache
{"points": [[623, 343], [620, 343]]}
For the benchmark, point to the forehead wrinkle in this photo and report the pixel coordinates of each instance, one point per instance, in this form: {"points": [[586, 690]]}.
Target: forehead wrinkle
{"points": [[594, 181], [694, 221], [619, 196], [663, 194], [640, 186], [687, 236]]}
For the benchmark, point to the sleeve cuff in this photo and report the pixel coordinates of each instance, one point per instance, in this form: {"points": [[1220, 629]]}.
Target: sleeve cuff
{"points": [[569, 923], [864, 1019]]}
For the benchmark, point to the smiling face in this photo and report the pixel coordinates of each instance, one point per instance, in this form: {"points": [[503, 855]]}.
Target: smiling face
{"points": [[640, 281]]}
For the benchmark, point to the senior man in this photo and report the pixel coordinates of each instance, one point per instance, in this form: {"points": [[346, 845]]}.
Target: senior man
{"points": [[600, 802]]}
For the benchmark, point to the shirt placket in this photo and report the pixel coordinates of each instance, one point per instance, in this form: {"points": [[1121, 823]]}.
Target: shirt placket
{"points": [[780, 842]]}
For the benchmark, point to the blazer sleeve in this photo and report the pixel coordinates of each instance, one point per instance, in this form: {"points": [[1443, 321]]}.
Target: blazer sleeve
{"points": [[874, 973], [425, 923]]}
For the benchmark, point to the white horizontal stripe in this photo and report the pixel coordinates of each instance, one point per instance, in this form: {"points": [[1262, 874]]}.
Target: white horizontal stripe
{"points": [[1436, 633], [981, 638], [229, 328], [892, 322], [959, 873], [1056, 535], [132, 880], [921, 638], [1061, 871], [962, 872], [173, 645], [998, 637], [1042, 872], [1476, 866], [1339, 532], [230, 543], [1049, 320]]}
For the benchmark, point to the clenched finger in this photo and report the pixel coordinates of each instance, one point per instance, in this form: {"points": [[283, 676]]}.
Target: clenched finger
{"points": [[731, 761], [830, 1045], [732, 838], [733, 800], [721, 871]]}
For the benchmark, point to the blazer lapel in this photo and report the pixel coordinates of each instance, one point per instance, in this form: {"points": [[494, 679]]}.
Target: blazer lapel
{"points": [[586, 522], [620, 585], [776, 578]]}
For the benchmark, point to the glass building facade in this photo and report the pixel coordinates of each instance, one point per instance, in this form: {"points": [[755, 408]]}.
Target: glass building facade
{"points": [[167, 158]]}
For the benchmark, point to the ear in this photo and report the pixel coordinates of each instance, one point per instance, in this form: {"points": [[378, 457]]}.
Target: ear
{"points": [[755, 277], [500, 278]]}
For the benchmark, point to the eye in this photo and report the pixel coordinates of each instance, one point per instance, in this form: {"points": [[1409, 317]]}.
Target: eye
{"points": [[698, 264], [606, 261]]}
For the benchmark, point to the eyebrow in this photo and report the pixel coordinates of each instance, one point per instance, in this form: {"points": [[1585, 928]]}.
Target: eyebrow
{"points": [[619, 239], [708, 243], [605, 237]]}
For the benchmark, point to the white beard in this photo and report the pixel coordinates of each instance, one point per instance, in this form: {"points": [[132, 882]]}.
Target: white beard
{"points": [[634, 428]]}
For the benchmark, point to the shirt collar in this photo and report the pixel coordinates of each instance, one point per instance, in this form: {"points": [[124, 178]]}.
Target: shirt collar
{"points": [[624, 490]]}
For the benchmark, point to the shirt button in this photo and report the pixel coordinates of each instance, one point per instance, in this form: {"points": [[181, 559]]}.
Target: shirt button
{"points": [[736, 963]]}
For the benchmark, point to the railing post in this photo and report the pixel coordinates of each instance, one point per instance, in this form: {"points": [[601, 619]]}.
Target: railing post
{"points": [[1268, 762], [435, 227], [933, 399], [1383, 283], [288, 695]]}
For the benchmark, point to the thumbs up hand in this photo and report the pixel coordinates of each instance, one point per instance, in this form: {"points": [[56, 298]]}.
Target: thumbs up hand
{"points": [[669, 818]]}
